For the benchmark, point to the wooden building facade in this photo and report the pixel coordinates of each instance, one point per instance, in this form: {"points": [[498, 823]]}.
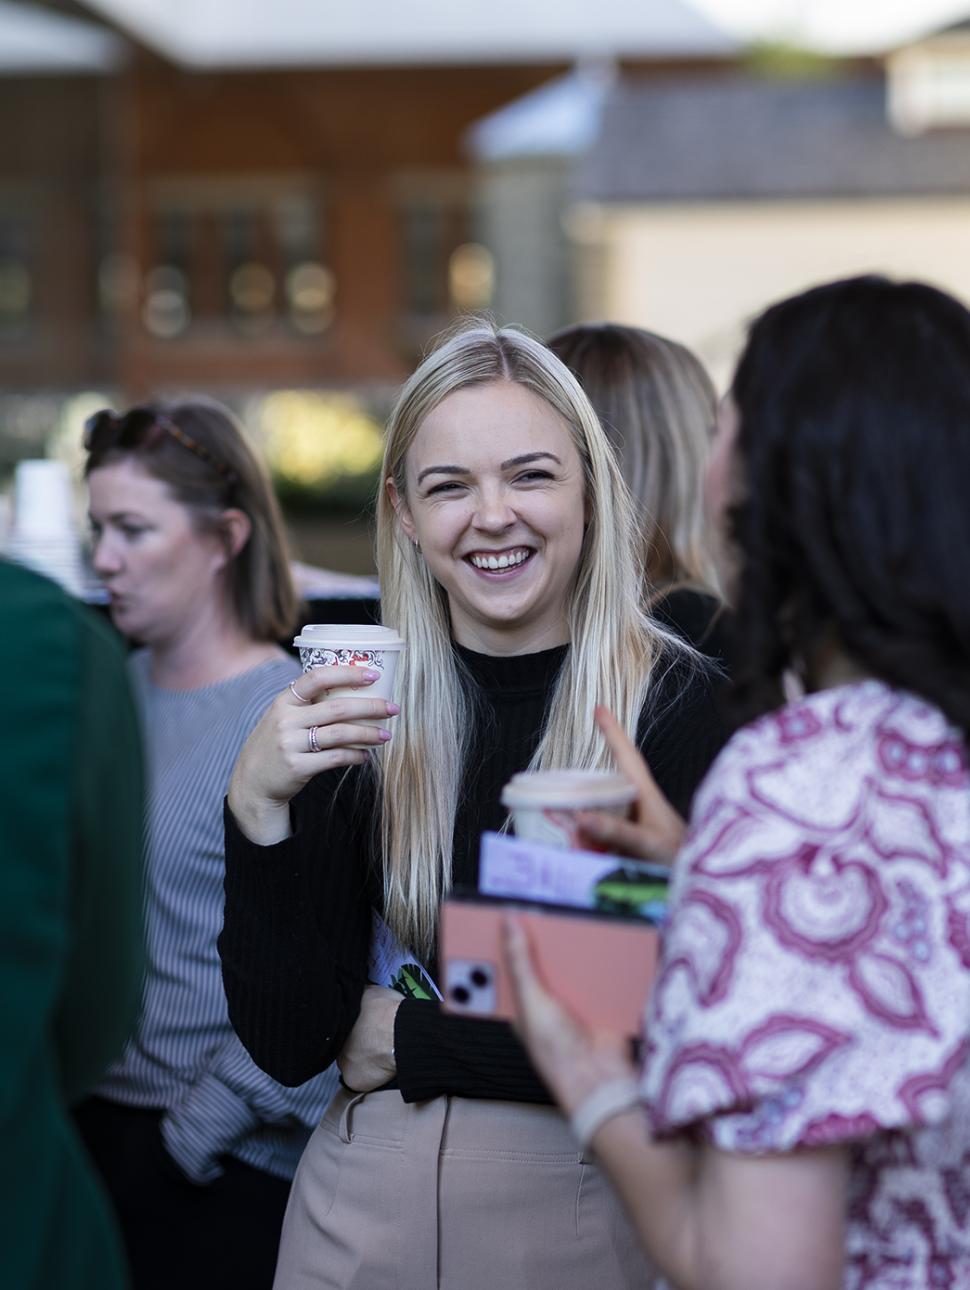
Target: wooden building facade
{"points": [[164, 226]]}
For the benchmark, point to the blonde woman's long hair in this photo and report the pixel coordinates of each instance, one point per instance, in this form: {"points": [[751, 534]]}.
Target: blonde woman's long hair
{"points": [[614, 644], [658, 406]]}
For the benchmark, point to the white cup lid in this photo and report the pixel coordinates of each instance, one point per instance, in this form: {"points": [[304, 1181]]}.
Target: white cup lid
{"points": [[335, 635], [570, 789]]}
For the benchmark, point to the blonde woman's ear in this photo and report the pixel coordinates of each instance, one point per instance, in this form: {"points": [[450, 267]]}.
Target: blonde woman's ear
{"points": [[401, 511]]}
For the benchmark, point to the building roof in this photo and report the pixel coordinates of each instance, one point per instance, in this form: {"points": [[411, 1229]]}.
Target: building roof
{"points": [[731, 138], [962, 25], [255, 33], [36, 41], [560, 118]]}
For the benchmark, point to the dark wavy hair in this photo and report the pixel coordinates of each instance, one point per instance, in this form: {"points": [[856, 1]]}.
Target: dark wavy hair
{"points": [[854, 447]]}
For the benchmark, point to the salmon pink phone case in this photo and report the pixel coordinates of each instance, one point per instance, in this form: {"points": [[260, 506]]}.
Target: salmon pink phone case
{"points": [[600, 967]]}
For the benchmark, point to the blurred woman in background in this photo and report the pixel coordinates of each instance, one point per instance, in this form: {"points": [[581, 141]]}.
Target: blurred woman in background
{"points": [[803, 1116], [197, 1145], [658, 406]]}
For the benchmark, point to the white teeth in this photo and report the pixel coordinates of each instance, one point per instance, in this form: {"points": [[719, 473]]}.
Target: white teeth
{"points": [[508, 560]]}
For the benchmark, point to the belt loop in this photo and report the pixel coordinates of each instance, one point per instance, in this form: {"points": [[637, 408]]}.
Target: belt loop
{"points": [[344, 1125]]}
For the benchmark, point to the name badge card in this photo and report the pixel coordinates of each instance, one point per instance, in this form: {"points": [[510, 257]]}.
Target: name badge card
{"points": [[514, 869]]}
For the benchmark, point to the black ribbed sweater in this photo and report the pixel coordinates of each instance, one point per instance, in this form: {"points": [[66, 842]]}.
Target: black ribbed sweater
{"points": [[297, 927]]}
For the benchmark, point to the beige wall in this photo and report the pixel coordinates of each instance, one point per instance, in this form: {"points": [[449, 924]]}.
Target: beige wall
{"points": [[697, 272]]}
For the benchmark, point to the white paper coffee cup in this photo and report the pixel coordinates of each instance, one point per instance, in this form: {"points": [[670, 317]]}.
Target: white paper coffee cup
{"points": [[354, 645], [544, 804]]}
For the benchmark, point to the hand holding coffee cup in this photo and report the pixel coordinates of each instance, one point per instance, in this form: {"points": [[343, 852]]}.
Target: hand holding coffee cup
{"points": [[375, 649], [655, 830], [546, 805], [328, 718]]}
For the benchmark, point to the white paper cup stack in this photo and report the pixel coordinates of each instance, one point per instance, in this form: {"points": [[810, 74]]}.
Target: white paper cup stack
{"points": [[42, 533]]}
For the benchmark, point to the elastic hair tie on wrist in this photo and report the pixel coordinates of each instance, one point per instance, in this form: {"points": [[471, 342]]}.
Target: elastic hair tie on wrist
{"points": [[606, 1100]]}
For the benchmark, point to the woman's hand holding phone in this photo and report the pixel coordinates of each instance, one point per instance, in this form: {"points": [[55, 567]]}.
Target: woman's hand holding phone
{"points": [[572, 1059]]}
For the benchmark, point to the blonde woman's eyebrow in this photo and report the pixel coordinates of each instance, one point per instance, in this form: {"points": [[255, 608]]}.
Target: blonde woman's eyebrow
{"points": [[511, 464], [527, 457], [443, 470]]}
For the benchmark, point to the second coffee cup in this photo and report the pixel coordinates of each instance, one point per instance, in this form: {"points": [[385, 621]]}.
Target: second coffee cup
{"points": [[354, 645], [545, 804]]}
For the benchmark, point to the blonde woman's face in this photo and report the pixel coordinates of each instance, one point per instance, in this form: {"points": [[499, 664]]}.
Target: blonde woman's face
{"points": [[496, 501]]}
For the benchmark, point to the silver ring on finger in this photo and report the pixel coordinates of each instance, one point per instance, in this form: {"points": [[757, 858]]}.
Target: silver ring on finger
{"points": [[297, 695], [311, 740]]}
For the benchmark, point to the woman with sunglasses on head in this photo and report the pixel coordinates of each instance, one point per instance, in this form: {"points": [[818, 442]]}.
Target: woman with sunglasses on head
{"points": [[196, 1145], [802, 1121], [506, 554]]}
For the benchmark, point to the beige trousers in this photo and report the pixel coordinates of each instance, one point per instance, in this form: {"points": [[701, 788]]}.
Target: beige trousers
{"points": [[452, 1194]]}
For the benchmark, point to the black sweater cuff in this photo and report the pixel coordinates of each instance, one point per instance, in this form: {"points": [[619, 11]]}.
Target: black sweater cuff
{"points": [[440, 1055]]}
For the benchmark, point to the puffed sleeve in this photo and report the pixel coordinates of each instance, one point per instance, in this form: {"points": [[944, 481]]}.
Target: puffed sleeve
{"points": [[814, 984]]}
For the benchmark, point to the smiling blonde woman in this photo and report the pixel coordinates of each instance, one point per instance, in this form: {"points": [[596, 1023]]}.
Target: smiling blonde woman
{"points": [[506, 557]]}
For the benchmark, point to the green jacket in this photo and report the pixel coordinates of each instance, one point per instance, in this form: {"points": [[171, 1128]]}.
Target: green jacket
{"points": [[70, 923]]}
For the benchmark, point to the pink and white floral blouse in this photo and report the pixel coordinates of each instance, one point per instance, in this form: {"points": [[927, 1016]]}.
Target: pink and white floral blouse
{"points": [[815, 981]]}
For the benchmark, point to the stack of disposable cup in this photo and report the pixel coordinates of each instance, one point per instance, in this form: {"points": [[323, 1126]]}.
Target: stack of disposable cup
{"points": [[43, 534]]}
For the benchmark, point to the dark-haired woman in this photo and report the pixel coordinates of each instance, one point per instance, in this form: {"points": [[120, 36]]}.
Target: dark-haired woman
{"points": [[802, 1121], [197, 1146]]}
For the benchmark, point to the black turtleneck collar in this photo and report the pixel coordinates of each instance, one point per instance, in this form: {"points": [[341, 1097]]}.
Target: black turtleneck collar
{"points": [[513, 673]]}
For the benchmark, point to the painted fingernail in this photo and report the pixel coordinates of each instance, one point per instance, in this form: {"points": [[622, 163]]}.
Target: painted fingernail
{"points": [[384, 734], [393, 709], [370, 675]]}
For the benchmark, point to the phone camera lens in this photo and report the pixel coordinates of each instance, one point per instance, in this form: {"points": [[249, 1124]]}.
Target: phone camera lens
{"points": [[480, 977], [461, 994]]}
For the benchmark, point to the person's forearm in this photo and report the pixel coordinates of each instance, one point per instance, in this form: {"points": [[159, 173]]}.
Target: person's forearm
{"points": [[656, 1183], [293, 992], [654, 1180], [439, 1054], [264, 823], [227, 1102], [271, 1102], [711, 1220], [293, 948]]}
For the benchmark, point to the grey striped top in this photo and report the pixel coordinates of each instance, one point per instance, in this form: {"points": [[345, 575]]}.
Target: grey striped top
{"points": [[184, 1056]]}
